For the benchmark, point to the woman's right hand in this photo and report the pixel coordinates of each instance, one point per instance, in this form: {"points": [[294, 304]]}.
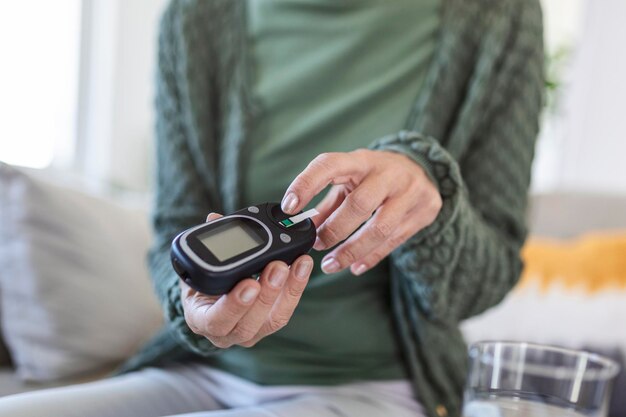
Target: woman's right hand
{"points": [[252, 309]]}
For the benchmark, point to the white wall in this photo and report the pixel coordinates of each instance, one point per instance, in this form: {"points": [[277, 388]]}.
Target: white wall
{"points": [[116, 126], [583, 145], [594, 149]]}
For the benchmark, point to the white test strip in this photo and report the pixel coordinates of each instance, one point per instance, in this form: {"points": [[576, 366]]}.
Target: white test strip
{"points": [[303, 216]]}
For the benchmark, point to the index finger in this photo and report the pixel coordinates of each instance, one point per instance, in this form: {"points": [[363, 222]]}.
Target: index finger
{"points": [[288, 300], [326, 168]]}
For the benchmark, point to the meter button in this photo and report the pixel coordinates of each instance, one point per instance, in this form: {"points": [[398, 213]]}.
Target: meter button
{"points": [[285, 238], [253, 209]]}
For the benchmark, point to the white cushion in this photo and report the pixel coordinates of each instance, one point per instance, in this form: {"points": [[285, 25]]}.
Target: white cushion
{"points": [[556, 315], [75, 294]]}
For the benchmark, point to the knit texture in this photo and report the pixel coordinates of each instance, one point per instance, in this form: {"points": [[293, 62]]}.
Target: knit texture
{"points": [[472, 128]]}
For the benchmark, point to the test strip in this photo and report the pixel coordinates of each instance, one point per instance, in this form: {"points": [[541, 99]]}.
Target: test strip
{"points": [[299, 217]]}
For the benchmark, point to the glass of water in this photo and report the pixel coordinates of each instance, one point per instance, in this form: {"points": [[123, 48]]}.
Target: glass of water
{"points": [[509, 379]]}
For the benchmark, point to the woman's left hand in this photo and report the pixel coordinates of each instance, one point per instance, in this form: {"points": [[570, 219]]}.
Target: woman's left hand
{"points": [[389, 185]]}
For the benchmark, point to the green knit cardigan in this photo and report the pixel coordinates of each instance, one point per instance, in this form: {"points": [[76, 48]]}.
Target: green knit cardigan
{"points": [[472, 128]]}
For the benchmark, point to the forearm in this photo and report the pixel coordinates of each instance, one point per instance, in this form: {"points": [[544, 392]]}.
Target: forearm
{"points": [[461, 270], [461, 264]]}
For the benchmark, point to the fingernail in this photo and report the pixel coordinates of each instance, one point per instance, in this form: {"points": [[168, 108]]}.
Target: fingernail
{"points": [[303, 269], [289, 203], [330, 265], [208, 217], [248, 294], [277, 278], [359, 269], [318, 245]]}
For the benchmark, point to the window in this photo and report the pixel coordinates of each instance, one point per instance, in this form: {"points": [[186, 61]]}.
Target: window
{"points": [[40, 44]]}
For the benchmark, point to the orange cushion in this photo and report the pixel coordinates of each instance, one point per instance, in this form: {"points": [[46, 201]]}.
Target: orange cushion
{"points": [[591, 263]]}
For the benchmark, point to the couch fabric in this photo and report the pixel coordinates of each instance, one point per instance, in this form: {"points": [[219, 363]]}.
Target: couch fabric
{"points": [[75, 295]]}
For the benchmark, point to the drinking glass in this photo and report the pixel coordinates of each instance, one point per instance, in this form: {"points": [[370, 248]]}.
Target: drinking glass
{"points": [[510, 379]]}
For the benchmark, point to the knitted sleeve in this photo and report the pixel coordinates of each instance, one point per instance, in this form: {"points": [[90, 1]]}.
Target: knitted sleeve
{"points": [[469, 258], [182, 198]]}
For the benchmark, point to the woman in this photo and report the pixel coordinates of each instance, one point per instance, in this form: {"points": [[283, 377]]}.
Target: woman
{"points": [[422, 115]]}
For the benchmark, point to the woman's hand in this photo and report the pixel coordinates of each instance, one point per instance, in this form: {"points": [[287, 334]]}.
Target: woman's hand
{"points": [[251, 310], [389, 185]]}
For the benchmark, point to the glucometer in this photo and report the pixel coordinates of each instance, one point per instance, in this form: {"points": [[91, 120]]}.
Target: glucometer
{"points": [[213, 257]]}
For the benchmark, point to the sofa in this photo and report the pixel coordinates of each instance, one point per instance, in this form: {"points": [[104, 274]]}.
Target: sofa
{"points": [[76, 299]]}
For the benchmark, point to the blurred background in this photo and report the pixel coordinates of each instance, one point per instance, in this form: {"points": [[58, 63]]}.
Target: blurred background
{"points": [[93, 102], [76, 99]]}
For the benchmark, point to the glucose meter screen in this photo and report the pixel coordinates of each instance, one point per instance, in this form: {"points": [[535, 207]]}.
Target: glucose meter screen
{"points": [[230, 239]]}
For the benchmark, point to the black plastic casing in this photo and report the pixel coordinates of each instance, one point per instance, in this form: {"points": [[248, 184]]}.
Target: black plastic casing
{"points": [[301, 235]]}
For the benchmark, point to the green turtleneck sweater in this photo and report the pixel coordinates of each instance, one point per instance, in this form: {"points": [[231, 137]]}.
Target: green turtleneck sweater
{"points": [[472, 127]]}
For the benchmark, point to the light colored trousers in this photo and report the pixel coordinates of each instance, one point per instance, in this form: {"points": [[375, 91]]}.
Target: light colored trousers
{"points": [[195, 390]]}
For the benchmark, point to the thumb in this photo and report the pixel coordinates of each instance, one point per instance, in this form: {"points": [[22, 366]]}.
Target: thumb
{"points": [[213, 216]]}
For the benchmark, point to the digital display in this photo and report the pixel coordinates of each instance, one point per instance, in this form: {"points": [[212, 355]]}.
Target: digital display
{"points": [[230, 239]]}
